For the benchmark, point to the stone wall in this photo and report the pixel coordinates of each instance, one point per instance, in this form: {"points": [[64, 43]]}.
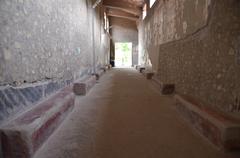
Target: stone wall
{"points": [[124, 30], [169, 21], [102, 40], [46, 42], [197, 46]]}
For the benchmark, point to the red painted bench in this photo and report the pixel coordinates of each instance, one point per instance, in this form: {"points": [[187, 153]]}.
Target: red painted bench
{"points": [[23, 136], [219, 128]]}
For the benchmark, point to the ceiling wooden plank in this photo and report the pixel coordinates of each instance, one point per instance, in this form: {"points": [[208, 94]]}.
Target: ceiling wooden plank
{"points": [[125, 9], [120, 12], [124, 5], [128, 9], [125, 17]]}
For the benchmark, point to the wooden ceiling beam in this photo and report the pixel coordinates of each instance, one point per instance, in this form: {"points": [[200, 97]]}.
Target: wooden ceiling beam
{"points": [[125, 17], [125, 9], [121, 14], [125, 6]]}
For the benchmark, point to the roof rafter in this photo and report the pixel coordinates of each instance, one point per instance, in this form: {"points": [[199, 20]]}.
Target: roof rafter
{"points": [[121, 14]]}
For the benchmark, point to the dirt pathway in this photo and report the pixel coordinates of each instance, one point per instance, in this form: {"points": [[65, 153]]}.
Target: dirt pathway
{"points": [[124, 116]]}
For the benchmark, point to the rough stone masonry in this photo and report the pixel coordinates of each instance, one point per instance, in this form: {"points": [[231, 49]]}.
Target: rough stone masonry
{"points": [[195, 45], [45, 45]]}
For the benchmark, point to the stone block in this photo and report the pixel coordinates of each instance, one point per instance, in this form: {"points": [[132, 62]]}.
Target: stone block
{"points": [[104, 69], [97, 76], [219, 128], [100, 72], [109, 66], [148, 74], [23, 136], [141, 69], [82, 87], [167, 89]]}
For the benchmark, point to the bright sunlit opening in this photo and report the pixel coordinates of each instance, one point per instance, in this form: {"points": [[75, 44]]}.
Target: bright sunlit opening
{"points": [[152, 2], [123, 54], [144, 13]]}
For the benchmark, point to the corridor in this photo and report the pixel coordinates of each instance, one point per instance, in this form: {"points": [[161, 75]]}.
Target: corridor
{"points": [[125, 116], [64, 95]]}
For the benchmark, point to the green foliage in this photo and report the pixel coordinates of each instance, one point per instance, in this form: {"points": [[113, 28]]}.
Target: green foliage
{"points": [[125, 49]]}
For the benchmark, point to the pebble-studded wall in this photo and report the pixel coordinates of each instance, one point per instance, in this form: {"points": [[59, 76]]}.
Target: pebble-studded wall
{"points": [[46, 43], [46, 39], [197, 49]]}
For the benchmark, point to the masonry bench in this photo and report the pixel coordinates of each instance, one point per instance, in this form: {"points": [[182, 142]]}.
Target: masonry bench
{"points": [[108, 66], [136, 66], [22, 136], [148, 74], [165, 88], [101, 71], [220, 129], [140, 68], [81, 87]]}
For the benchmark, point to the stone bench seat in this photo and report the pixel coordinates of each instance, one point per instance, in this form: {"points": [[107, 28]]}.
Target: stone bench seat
{"points": [[109, 66], [104, 68], [148, 74], [136, 66], [82, 87], [165, 88], [221, 129], [22, 136], [140, 68], [101, 71]]}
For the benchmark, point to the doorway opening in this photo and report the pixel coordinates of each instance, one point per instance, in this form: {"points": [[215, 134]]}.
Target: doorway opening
{"points": [[123, 54]]}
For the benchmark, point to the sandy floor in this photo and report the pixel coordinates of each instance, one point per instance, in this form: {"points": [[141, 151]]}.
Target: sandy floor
{"points": [[124, 116]]}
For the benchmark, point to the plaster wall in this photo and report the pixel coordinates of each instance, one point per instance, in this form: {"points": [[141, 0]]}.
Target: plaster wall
{"points": [[197, 46], [47, 39], [125, 31], [44, 46]]}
